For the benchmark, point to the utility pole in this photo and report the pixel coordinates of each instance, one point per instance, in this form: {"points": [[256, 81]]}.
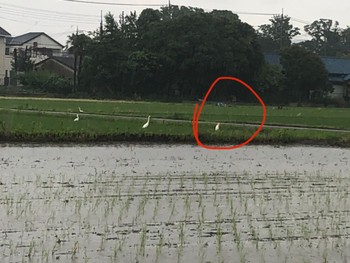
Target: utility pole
{"points": [[101, 24]]}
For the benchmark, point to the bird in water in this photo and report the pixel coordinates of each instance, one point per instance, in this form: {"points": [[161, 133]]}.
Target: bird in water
{"points": [[217, 127], [77, 118], [80, 110], [147, 123]]}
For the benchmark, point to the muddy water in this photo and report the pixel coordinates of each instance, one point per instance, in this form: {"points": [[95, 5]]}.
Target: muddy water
{"points": [[160, 159], [162, 203]]}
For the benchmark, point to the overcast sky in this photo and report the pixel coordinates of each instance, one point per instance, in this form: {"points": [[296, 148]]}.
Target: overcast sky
{"points": [[59, 18]]}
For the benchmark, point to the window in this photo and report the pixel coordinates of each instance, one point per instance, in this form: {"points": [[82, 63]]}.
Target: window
{"points": [[7, 51], [35, 44]]}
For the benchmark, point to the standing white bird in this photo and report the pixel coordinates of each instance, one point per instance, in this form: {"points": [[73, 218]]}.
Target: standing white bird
{"points": [[147, 123], [80, 110], [77, 118], [217, 127]]}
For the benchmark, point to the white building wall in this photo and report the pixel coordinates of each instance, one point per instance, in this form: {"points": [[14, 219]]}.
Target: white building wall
{"points": [[338, 92], [2, 59]]}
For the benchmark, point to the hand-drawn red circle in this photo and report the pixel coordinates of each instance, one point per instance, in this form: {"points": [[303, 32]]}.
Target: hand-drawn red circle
{"points": [[197, 112]]}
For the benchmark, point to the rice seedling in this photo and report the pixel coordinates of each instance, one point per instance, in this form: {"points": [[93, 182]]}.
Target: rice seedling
{"points": [[159, 246], [143, 237]]}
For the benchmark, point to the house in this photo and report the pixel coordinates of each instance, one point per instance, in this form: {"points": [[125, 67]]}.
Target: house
{"points": [[39, 44], [338, 73], [5, 64], [60, 65]]}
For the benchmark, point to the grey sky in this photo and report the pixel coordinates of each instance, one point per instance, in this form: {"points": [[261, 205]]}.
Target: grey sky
{"points": [[62, 17]]}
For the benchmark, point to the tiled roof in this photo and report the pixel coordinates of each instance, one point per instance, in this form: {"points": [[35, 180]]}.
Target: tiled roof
{"points": [[333, 65], [337, 65], [65, 60], [20, 40], [3, 32]]}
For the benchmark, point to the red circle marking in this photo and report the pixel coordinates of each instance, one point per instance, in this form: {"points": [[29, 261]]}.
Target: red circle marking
{"points": [[197, 112]]}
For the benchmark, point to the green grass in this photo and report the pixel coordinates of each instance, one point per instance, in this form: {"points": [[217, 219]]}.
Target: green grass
{"points": [[310, 117], [18, 124]]}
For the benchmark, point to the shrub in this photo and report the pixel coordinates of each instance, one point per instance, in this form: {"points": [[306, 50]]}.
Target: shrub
{"points": [[45, 81]]}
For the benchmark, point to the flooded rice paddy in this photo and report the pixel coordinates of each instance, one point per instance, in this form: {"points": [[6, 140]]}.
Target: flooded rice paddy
{"points": [[162, 203]]}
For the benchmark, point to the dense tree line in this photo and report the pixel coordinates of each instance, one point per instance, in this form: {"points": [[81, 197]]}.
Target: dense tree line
{"points": [[177, 52], [173, 52]]}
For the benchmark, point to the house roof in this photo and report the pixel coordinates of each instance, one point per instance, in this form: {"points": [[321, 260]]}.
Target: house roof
{"points": [[22, 39], [272, 59], [4, 33], [338, 66], [65, 60]]}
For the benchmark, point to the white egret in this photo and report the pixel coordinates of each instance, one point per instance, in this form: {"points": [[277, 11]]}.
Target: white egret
{"points": [[77, 118], [80, 110], [217, 127], [147, 123]]}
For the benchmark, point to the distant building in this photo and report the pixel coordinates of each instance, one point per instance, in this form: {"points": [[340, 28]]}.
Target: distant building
{"points": [[40, 45], [5, 64], [338, 73], [60, 65]]}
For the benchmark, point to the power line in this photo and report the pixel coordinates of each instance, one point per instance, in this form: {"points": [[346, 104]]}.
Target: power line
{"points": [[44, 11], [109, 3], [51, 17], [254, 13], [300, 20]]}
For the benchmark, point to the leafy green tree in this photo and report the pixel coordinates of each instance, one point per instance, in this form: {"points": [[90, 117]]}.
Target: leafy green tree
{"points": [[345, 42], [77, 45], [278, 34], [22, 60], [326, 37], [270, 83], [177, 51], [305, 73]]}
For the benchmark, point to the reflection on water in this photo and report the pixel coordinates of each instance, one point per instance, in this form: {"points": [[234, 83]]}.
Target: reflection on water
{"points": [[160, 159]]}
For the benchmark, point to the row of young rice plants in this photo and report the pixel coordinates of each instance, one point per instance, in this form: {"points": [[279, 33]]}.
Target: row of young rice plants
{"points": [[209, 217]]}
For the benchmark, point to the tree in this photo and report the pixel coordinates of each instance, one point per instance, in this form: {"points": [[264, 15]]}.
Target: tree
{"points": [[22, 60], [177, 51], [77, 45], [345, 42], [278, 34], [270, 83], [304, 72], [326, 37]]}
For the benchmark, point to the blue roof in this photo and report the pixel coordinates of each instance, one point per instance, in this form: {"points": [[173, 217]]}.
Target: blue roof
{"points": [[338, 66], [272, 59]]}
